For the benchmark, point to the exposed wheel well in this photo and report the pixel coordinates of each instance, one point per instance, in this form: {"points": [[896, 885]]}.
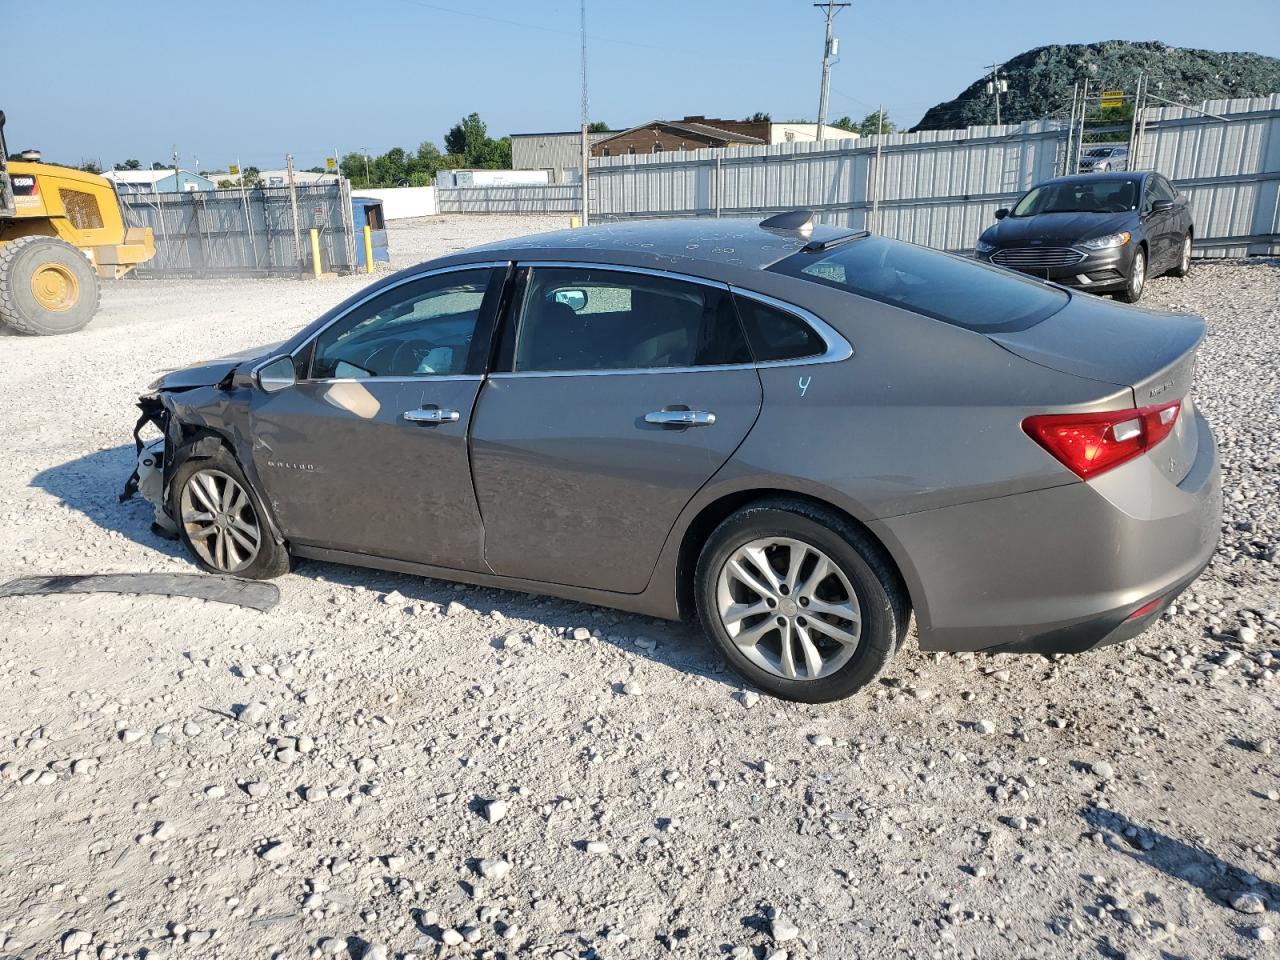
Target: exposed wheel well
{"points": [[716, 512]]}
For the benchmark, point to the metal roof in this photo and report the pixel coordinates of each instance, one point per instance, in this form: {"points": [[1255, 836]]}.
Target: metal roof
{"points": [[729, 241], [699, 129]]}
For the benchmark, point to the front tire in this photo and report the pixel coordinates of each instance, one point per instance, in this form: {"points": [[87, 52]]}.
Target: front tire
{"points": [[221, 522], [799, 602], [1184, 260], [47, 286], [1132, 292]]}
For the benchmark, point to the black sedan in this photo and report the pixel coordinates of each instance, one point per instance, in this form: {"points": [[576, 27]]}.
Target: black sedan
{"points": [[1104, 233]]}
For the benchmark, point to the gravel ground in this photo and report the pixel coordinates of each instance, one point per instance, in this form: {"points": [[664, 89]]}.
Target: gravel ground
{"points": [[386, 766]]}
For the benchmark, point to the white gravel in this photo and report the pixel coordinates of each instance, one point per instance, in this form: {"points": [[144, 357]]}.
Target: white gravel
{"points": [[405, 783]]}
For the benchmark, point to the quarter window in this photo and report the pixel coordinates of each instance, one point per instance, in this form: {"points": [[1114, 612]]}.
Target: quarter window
{"points": [[421, 329], [776, 335], [579, 318]]}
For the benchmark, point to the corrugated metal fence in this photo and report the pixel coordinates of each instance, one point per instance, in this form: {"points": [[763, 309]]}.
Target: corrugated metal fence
{"points": [[552, 198], [939, 188], [245, 233]]}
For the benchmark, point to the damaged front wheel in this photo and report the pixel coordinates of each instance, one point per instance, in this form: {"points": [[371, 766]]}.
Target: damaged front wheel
{"points": [[221, 522]]}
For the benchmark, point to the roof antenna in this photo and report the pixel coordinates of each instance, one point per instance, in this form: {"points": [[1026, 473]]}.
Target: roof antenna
{"points": [[799, 220]]}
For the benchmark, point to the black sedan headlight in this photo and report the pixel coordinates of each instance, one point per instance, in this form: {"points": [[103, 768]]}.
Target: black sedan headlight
{"points": [[1106, 242]]}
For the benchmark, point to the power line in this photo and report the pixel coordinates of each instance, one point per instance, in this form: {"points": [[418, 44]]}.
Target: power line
{"points": [[830, 47]]}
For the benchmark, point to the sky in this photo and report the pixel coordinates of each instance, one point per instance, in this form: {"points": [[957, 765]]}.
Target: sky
{"points": [[225, 81]]}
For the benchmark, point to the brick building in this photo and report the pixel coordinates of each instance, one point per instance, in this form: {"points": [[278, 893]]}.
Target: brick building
{"points": [[691, 133]]}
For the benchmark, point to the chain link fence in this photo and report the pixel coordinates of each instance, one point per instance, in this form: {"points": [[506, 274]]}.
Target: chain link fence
{"points": [[253, 232]]}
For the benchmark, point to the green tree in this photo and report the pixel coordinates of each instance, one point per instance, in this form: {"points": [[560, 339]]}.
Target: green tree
{"points": [[872, 124], [352, 166], [90, 166], [467, 137], [129, 165], [391, 167], [250, 176], [157, 165], [846, 123], [758, 117], [598, 126]]}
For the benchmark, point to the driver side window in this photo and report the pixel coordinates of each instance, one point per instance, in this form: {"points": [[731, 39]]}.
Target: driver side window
{"points": [[421, 329]]}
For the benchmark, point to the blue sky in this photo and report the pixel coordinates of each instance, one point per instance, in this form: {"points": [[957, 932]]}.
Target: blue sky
{"points": [[222, 80]]}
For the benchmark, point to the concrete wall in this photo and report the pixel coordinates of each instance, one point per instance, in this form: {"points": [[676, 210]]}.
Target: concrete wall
{"points": [[399, 203]]}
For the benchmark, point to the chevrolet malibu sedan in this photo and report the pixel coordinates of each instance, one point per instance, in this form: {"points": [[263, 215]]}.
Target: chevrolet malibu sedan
{"points": [[798, 434], [1105, 233]]}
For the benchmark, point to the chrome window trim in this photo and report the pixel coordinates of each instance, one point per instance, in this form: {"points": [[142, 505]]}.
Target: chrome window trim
{"points": [[425, 274], [434, 378], [837, 347]]}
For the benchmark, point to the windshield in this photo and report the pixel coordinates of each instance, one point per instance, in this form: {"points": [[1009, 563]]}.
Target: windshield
{"points": [[1080, 196], [952, 289]]}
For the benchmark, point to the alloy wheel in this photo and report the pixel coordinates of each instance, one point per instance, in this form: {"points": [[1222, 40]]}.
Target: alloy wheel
{"points": [[220, 522], [789, 608], [1138, 274]]}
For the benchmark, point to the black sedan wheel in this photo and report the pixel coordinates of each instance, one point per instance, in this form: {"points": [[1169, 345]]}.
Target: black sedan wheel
{"points": [[1184, 260], [1132, 292]]}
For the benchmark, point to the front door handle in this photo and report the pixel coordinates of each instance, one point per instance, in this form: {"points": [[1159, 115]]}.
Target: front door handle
{"points": [[432, 415], [681, 418]]}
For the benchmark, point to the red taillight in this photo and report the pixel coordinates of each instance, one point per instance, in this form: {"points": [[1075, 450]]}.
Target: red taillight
{"points": [[1088, 444], [1146, 608]]}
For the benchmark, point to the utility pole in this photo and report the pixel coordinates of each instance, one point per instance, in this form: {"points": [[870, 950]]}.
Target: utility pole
{"points": [[996, 86], [293, 207], [365, 151], [586, 120], [830, 48]]}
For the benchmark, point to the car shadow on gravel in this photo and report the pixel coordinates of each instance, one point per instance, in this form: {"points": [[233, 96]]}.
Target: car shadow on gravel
{"points": [[91, 484], [680, 646], [1217, 879]]}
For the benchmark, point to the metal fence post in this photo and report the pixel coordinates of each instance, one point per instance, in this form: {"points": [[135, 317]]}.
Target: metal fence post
{"points": [[293, 205]]}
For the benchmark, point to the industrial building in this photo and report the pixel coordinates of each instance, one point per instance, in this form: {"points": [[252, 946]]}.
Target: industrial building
{"points": [[159, 181], [558, 153]]}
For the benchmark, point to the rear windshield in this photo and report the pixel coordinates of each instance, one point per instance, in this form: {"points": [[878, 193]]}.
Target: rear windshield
{"points": [[961, 292]]}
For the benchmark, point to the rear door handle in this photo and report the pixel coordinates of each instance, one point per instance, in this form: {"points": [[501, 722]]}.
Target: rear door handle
{"points": [[432, 415], [681, 418]]}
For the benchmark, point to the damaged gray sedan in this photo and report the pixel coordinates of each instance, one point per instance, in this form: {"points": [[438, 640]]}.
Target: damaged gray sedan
{"points": [[797, 433]]}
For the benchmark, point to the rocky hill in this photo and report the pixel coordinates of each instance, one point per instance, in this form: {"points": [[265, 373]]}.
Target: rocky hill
{"points": [[1041, 80]]}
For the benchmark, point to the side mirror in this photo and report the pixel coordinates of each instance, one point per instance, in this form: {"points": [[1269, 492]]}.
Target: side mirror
{"points": [[276, 375], [1160, 206], [1002, 213]]}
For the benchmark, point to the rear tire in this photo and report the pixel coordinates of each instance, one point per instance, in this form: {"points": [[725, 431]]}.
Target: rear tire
{"points": [[221, 521], [47, 287], [842, 627], [1132, 291]]}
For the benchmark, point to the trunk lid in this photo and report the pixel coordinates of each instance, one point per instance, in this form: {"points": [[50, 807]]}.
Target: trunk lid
{"points": [[1151, 352]]}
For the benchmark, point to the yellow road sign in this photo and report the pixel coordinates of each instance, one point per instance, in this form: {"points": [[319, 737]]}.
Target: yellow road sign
{"points": [[233, 169], [1111, 99], [331, 163]]}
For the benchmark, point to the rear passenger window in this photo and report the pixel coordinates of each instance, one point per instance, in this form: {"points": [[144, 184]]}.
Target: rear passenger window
{"points": [[775, 334], [580, 318]]}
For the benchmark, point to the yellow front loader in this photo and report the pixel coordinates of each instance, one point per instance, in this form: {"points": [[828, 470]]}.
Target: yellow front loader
{"points": [[60, 230]]}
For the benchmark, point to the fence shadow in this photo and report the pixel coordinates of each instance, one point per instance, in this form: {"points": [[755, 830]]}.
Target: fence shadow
{"points": [[1218, 879]]}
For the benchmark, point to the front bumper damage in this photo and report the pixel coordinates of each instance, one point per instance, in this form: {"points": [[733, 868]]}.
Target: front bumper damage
{"points": [[194, 423]]}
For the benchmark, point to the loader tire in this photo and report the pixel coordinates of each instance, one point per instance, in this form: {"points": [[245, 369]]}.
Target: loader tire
{"points": [[47, 286]]}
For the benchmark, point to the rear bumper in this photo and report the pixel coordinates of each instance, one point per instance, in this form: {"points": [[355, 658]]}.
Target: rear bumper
{"points": [[1104, 271], [1060, 570]]}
